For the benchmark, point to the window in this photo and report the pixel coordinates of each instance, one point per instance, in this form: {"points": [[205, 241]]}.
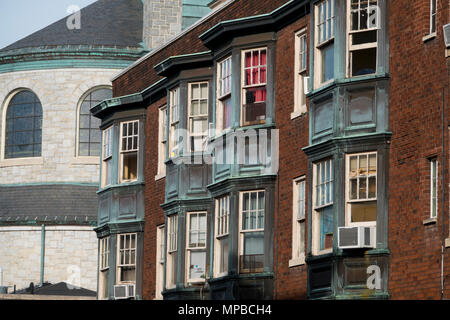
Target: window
{"points": [[104, 268], [174, 107], [160, 250], [129, 137], [223, 114], [323, 207], [221, 239], [89, 137], [198, 115], [324, 42], [23, 126], [251, 247], [362, 189], [300, 71], [107, 157], [162, 141], [126, 256], [196, 247], [172, 245], [362, 37], [298, 222], [433, 8], [254, 91], [433, 188]]}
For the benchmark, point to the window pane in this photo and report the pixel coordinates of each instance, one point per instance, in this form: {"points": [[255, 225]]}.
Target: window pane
{"points": [[328, 63], [364, 212], [129, 166], [364, 61], [197, 265]]}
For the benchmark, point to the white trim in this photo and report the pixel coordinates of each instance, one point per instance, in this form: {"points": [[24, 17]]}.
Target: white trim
{"points": [[432, 186], [202, 117], [122, 152], [297, 224], [162, 143], [129, 249], [297, 261], [47, 228], [299, 92], [173, 39], [429, 37], [160, 265], [218, 237]]}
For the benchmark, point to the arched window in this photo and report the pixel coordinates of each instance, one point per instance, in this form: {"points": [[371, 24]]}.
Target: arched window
{"points": [[23, 126], [89, 135]]}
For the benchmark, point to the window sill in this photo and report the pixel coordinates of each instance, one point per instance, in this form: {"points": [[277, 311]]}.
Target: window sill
{"points": [[429, 37], [299, 112], [297, 262], [21, 162], [85, 160], [160, 176], [447, 243], [429, 221]]}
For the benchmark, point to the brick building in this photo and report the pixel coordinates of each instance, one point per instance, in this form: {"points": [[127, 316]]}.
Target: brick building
{"points": [[293, 149]]}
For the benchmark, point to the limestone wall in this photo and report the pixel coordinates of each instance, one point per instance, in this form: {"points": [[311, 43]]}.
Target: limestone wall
{"points": [[71, 255], [60, 92]]}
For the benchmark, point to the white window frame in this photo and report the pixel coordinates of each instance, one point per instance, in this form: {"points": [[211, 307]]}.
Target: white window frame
{"points": [[241, 230], [300, 67], [244, 87], [315, 243], [197, 248], [160, 250], [221, 232], [162, 142], [352, 48], [107, 147], [349, 201], [171, 250], [319, 45], [224, 80], [203, 117], [434, 188], [433, 15], [129, 150], [131, 262], [298, 221]]}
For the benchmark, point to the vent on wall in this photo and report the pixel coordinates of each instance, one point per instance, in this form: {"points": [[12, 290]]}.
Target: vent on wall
{"points": [[447, 35]]}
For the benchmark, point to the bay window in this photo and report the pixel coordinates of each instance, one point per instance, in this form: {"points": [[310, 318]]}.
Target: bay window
{"points": [[254, 91], [362, 189], [298, 222], [198, 115], [221, 236], [104, 268], [126, 256], [223, 114], [129, 146], [196, 247], [174, 107], [324, 42], [160, 250], [251, 217], [172, 246], [300, 66], [323, 207], [162, 137], [107, 157], [362, 38]]}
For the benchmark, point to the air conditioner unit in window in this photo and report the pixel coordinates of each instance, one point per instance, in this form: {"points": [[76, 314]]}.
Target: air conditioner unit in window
{"points": [[124, 291], [306, 86], [356, 237], [447, 35]]}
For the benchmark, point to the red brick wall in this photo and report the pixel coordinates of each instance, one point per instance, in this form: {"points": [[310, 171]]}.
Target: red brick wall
{"points": [[418, 74], [154, 197], [143, 75], [291, 283]]}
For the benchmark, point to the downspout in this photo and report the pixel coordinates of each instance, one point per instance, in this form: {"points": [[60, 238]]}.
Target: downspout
{"points": [[443, 196], [42, 254]]}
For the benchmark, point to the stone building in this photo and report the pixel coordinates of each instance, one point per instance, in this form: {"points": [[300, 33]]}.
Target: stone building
{"points": [[50, 144]]}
